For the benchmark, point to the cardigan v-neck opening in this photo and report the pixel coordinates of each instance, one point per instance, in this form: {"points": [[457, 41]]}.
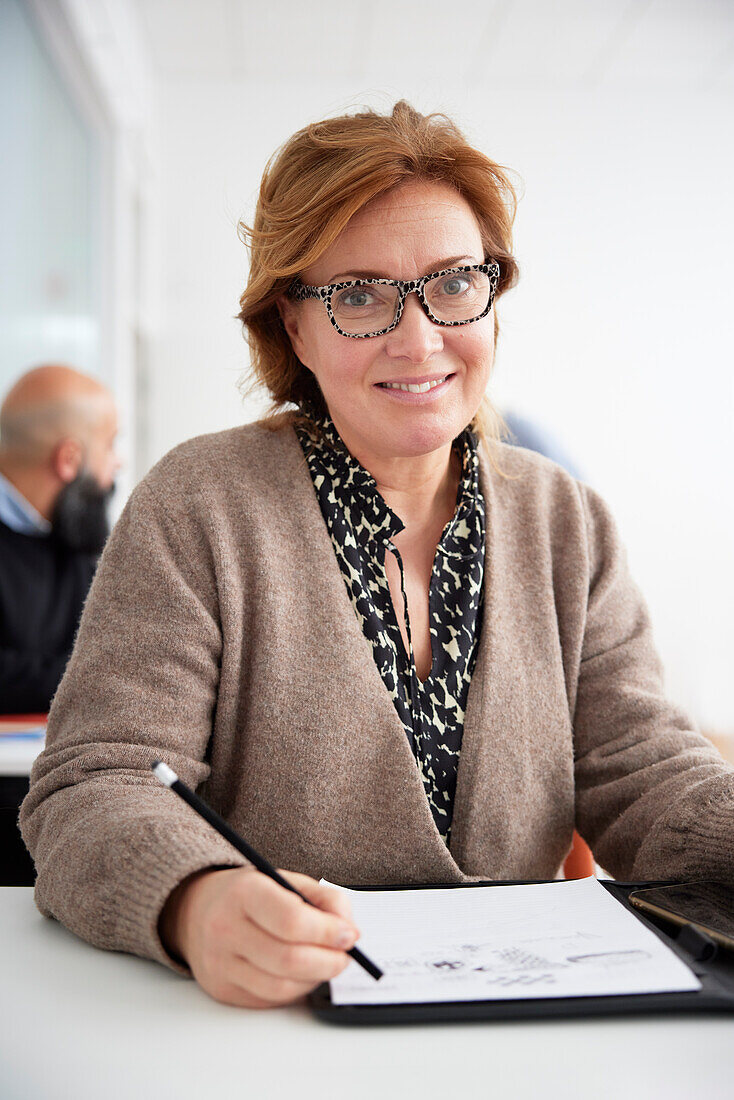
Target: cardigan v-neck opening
{"points": [[361, 530]]}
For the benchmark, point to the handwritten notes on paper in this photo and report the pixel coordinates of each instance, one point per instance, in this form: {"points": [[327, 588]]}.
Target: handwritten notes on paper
{"points": [[556, 939]]}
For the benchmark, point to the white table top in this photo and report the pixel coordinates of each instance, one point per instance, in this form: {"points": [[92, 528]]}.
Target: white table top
{"points": [[22, 738], [81, 1024], [17, 754]]}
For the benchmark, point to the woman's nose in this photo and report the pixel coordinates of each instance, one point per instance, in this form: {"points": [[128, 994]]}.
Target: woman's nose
{"points": [[415, 337]]}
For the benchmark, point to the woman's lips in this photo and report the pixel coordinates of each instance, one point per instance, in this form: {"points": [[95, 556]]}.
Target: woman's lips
{"points": [[416, 391]]}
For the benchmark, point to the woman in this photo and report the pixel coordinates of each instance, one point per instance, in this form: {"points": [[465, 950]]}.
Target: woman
{"points": [[389, 648]]}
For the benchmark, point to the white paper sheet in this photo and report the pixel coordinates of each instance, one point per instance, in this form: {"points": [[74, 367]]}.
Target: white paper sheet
{"points": [[557, 939]]}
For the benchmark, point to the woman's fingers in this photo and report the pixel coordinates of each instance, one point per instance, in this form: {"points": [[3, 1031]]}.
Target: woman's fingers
{"points": [[287, 917], [235, 988], [250, 942], [301, 962], [325, 897], [272, 989], [247, 986]]}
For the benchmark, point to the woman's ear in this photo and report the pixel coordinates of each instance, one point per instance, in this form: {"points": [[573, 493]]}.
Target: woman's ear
{"points": [[290, 315]]}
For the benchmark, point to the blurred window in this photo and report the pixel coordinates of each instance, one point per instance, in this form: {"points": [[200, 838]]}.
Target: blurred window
{"points": [[50, 200]]}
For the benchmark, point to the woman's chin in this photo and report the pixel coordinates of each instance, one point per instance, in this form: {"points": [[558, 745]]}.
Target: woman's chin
{"points": [[414, 434]]}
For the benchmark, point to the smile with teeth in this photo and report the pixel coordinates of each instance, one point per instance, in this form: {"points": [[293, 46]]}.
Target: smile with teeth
{"points": [[422, 388]]}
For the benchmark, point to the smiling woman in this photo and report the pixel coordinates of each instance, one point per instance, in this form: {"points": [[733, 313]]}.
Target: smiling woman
{"points": [[390, 648], [421, 379], [342, 179]]}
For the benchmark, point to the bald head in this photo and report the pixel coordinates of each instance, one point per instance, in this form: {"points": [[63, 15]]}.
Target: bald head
{"points": [[47, 405], [57, 426]]}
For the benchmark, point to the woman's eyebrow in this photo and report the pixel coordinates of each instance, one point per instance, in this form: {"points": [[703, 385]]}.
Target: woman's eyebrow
{"points": [[439, 265]]}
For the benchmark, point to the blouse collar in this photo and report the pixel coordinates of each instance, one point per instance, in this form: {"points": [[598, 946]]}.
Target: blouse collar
{"points": [[357, 490]]}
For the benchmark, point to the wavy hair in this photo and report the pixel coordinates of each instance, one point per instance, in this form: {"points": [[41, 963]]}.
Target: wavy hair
{"points": [[310, 189]]}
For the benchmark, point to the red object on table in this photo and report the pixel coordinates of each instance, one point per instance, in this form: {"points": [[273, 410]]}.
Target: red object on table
{"points": [[32, 719], [22, 724]]}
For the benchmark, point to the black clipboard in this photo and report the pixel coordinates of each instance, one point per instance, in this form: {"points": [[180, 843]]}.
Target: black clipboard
{"points": [[715, 995]]}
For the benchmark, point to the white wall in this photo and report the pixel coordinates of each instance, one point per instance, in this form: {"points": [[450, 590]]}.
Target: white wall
{"points": [[617, 338]]}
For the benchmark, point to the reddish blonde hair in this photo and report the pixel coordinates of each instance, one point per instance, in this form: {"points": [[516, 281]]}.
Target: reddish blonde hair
{"points": [[310, 189]]}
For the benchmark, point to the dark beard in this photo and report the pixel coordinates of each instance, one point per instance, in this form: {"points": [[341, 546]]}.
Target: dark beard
{"points": [[79, 520]]}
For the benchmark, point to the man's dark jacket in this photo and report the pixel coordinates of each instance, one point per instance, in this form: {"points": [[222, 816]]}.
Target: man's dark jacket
{"points": [[43, 585]]}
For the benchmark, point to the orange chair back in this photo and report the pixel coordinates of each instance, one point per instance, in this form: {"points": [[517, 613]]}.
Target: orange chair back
{"points": [[579, 863]]}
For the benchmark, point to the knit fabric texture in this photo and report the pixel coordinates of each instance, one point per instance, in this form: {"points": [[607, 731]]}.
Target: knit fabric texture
{"points": [[219, 637]]}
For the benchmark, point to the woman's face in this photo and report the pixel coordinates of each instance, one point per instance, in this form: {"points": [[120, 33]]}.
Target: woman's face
{"points": [[414, 230]]}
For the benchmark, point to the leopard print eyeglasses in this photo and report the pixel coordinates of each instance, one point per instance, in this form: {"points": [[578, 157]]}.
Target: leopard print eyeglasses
{"points": [[360, 308]]}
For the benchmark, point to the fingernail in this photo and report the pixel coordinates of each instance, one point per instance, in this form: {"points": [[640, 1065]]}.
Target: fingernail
{"points": [[346, 939]]}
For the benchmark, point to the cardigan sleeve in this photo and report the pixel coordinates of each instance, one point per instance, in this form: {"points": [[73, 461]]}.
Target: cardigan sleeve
{"points": [[109, 841], [654, 798]]}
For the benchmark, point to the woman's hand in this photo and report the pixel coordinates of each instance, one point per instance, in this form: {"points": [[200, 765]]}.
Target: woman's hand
{"points": [[249, 942]]}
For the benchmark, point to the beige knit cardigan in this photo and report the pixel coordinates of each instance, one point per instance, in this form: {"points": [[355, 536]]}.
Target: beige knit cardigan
{"points": [[219, 636]]}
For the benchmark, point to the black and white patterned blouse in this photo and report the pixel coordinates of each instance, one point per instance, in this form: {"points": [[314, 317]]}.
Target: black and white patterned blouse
{"points": [[362, 527]]}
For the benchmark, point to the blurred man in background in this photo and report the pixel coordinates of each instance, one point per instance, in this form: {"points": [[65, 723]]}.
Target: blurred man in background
{"points": [[57, 469]]}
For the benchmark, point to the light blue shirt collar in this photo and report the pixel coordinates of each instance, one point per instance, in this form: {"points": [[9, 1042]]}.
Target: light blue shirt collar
{"points": [[18, 514]]}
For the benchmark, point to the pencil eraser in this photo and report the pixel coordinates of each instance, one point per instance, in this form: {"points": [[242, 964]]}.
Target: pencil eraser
{"points": [[164, 773]]}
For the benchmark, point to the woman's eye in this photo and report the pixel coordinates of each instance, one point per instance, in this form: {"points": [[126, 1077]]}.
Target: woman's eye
{"points": [[455, 284], [356, 298]]}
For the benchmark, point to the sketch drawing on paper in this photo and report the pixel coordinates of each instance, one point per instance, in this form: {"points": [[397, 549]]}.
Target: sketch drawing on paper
{"points": [[512, 965]]}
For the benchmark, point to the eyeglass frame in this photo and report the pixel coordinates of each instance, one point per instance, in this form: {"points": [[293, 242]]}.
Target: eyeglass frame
{"points": [[300, 292]]}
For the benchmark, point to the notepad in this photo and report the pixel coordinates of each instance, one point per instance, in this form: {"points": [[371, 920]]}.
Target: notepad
{"points": [[556, 939]]}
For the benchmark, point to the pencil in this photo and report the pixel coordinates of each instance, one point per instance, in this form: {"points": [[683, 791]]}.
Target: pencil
{"points": [[168, 777]]}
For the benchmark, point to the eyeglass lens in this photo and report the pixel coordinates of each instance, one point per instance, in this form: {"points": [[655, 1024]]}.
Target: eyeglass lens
{"points": [[369, 307]]}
